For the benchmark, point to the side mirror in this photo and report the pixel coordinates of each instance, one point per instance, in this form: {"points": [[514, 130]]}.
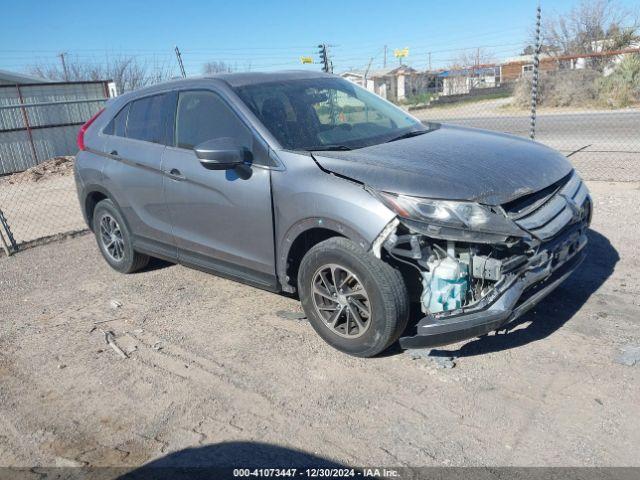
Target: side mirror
{"points": [[222, 154]]}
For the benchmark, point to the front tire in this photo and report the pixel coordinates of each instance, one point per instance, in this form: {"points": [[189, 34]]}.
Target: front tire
{"points": [[114, 239], [357, 303]]}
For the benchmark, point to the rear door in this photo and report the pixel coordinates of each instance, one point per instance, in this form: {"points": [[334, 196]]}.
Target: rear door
{"points": [[138, 137], [222, 219]]}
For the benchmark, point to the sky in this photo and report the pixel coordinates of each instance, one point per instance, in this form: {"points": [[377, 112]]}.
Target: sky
{"points": [[265, 35]]}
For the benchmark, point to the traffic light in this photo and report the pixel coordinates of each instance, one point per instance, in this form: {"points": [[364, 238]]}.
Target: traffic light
{"points": [[324, 58]]}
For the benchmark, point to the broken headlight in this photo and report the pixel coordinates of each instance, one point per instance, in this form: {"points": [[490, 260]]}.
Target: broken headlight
{"points": [[452, 219]]}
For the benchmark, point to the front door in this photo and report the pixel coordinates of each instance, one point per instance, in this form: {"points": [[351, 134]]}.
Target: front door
{"points": [[222, 219]]}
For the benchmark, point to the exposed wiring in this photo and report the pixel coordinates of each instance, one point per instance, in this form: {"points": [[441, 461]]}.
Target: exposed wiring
{"points": [[404, 261]]}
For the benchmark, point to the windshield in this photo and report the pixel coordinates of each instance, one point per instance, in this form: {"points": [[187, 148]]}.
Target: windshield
{"points": [[325, 114]]}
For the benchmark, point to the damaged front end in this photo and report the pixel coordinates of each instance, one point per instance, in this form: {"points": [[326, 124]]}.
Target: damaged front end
{"points": [[476, 268]]}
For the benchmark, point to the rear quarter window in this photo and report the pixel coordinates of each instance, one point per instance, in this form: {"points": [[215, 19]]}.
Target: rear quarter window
{"points": [[118, 124]]}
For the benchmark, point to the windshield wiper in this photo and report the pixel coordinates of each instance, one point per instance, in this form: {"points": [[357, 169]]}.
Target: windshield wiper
{"points": [[320, 148], [414, 133]]}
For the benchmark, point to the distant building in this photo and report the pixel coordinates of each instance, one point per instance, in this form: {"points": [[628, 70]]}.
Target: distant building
{"points": [[460, 81], [356, 77], [515, 68], [394, 84]]}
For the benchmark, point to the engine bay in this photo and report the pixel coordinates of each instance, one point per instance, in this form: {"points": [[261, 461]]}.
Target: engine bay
{"points": [[448, 277]]}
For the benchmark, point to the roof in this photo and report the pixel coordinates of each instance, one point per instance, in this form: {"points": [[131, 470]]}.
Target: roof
{"points": [[8, 77], [230, 79], [391, 71], [352, 73], [524, 58], [546, 56], [254, 78], [465, 72]]}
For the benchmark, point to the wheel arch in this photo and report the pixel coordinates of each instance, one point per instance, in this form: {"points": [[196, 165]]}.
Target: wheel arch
{"points": [[301, 237], [93, 195]]}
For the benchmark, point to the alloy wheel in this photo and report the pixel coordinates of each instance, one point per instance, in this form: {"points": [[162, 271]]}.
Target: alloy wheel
{"points": [[111, 237], [341, 301]]}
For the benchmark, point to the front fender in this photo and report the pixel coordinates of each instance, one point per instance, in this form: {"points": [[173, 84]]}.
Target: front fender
{"points": [[306, 197]]}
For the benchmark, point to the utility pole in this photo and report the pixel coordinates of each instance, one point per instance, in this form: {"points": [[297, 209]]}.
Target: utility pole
{"points": [[179, 57], [429, 61], [64, 66], [366, 73], [384, 62]]}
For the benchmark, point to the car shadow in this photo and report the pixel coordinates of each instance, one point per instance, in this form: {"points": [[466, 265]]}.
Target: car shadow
{"points": [[218, 460], [553, 311], [155, 264]]}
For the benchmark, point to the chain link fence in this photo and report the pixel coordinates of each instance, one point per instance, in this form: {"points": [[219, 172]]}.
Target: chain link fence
{"points": [[587, 106], [38, 128]]}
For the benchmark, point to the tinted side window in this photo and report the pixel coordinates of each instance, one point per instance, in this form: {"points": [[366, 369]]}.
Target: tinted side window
{"points": [[203, 116], [148, 119], [118, 124]]}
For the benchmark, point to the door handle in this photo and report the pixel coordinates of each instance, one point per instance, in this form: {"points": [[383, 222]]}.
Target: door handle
{"points": [[175, 174], [114, 153]]}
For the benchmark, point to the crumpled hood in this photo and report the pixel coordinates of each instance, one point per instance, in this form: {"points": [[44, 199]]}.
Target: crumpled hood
{"points": [[454, 163]]}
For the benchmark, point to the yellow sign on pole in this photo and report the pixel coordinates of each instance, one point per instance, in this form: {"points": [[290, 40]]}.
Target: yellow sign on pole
{"points": [[401, 52], [306, 60]]}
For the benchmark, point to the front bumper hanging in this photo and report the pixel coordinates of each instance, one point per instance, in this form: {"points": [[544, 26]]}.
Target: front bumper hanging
{"points": [[518, 295]]}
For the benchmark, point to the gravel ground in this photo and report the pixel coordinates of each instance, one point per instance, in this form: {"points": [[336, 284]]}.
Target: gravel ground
{"points": [[212, 361]]}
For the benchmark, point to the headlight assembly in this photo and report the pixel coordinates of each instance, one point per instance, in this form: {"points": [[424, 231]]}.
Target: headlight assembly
{"points": [[452, 219]]}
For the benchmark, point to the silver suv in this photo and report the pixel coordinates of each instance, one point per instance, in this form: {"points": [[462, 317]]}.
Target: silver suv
{"points": [[305, 183]]}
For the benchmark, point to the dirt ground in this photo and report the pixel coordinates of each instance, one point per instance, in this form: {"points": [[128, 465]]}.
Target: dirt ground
{"points": [[39, 209], [211, 361]]}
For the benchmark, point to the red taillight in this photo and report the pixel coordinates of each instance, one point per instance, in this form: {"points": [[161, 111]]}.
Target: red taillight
{"points": [[84, 127]]}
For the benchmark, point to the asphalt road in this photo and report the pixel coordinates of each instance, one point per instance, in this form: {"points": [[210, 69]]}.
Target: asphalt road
{"points": [[619, 131], [612, 139]]}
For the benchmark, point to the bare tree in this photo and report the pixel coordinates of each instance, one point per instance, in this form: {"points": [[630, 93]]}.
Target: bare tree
{"points": [[592, 26], [128, 73], [472, 58], [211, 68]]}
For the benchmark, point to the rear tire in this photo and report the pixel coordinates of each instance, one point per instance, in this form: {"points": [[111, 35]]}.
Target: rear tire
{"points": [[356, 302], [114, 239]]}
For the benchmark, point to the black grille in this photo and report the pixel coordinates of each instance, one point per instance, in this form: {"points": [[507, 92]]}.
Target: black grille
{"points": [[520, 206], [552, 212]]}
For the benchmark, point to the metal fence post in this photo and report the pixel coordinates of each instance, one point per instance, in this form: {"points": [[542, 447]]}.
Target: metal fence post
{"points": [[25, 117], [4, 226], [534, 80]]}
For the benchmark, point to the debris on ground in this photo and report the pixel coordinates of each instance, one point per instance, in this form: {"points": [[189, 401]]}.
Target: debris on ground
{"points": [[115, 304], [57, 166], [110, 338], [291, 315], [157, 346], [429, 354], [106, 321], [630, 356]]}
